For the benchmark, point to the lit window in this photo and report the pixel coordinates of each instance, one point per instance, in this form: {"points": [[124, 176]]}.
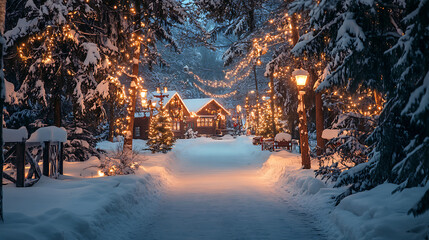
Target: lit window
{"points": [[176, 126]]}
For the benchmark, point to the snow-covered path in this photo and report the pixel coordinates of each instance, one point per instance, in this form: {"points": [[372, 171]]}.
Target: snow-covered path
{"points": [[218, 194]]}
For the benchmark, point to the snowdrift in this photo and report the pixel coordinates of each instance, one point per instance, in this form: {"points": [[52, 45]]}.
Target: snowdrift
{"points": [[373, 214], [73, 208]]}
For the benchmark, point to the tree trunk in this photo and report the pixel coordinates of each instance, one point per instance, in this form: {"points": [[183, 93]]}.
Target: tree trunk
{"points": [[128, 141], [257, 100], [2, 97], [319, 124], [303, 134], [111, 116], [295, 33], [273, 122]]}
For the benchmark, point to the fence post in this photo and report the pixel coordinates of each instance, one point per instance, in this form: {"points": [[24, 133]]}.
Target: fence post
{"points": [[20, 164], [60, 159], [46, 159]]}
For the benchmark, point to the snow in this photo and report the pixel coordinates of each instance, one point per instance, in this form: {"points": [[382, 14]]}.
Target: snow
{"points": [[165, 100], [418, 102], [11, 96], [15, 135], [350, 33], [49, 134], [92, 54], [283, 137], [373, 214], [206, 189], [379, 214], [330, 133], [194, 105]]}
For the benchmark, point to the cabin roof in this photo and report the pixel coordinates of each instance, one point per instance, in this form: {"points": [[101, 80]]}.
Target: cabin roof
{"points": [[191, 105], [196, 104]]}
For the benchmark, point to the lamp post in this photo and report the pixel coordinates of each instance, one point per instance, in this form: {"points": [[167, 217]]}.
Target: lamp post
{"points": [[301, 76], [161, 95], [238, 109]]}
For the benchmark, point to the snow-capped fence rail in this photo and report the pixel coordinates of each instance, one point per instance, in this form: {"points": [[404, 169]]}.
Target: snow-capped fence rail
{"points": [[50, 139]]}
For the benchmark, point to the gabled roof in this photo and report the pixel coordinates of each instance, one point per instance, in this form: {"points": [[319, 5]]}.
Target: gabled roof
{"points": [[191, 105], [196, 104], [166, 100]]}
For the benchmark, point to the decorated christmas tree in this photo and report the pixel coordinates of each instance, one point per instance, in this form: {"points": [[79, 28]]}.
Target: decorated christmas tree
{"points": [[161, 138]]}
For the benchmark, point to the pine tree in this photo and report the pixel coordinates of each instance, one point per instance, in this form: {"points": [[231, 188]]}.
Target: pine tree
{"points": [[161, 137], [402, 138]]}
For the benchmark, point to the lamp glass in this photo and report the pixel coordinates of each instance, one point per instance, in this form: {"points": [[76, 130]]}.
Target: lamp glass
{"points": [[301, 80], [153, 104]]}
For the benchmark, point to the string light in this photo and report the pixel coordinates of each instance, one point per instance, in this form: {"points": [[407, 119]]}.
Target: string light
{"points": [[227, 95]]}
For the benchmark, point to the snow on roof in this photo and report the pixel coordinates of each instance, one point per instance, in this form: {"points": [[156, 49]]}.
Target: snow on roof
{"points": [[49, 134], [194, 105], [165, 100], [15, 135]]}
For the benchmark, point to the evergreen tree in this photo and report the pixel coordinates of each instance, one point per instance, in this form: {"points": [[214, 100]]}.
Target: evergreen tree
{"points": [[402, 144], [161, 137]]}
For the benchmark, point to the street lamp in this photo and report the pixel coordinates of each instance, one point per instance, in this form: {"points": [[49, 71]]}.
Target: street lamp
{"points": [[301, 76], [161, 95]]}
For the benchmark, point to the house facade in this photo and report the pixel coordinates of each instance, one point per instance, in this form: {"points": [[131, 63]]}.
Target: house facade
{"points": [[205, 115]]}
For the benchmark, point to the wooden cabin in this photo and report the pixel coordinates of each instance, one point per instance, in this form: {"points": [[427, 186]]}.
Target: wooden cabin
{"points": [[208, 116], [205, 115]]}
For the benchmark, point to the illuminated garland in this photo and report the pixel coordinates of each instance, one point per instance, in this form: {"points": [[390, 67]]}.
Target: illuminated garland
{"points": [[227, 95], [219, 84]]}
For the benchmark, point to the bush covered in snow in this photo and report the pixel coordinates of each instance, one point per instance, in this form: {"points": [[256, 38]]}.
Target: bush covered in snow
{"points": [[119, 162], [191, 134]]}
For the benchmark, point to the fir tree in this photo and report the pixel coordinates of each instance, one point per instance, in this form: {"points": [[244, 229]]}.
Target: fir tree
{"points": [[161, 137], [402, 144]]}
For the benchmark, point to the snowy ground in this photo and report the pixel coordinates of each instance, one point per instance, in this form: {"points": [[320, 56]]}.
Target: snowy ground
{"points": [[205, 189], [218, 194]]}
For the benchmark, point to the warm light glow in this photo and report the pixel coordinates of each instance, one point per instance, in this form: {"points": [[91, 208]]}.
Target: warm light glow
{"points": [[300, 76], [100, 174], [165, 89], [301, 80], [238, 108], [143, 93]]}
